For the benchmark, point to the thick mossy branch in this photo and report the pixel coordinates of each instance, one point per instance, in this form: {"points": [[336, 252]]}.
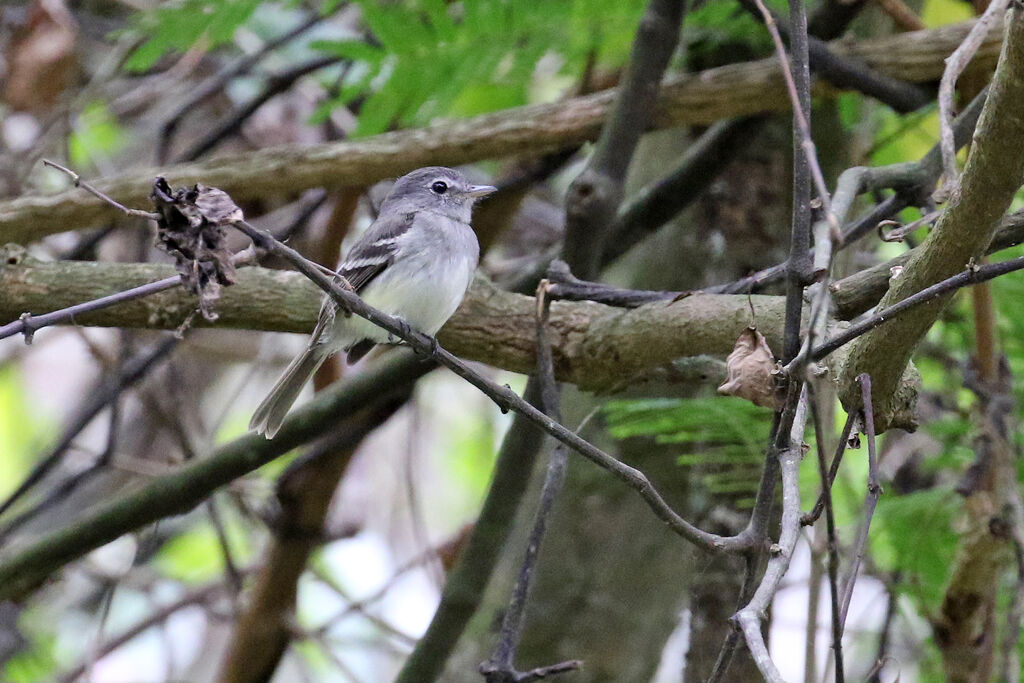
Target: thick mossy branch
{"points": [[993, 174], [597, 347], [688, 99]]}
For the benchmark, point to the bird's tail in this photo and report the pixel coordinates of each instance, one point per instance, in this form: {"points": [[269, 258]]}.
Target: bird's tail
{"points": [[268, 417]]}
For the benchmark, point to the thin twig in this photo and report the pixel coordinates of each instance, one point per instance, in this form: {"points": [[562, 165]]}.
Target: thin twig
{"points": [[844, 439], [955, 65], [109, 389], [198, 596], [884, 636], [904, 17], [78, 182], [276, 84], [216, 83], [972, 275], [798, 80], [749, 618], [806, 143], [833, 542], [870, 498], [733, 637], [500, 668], [29, 324]]}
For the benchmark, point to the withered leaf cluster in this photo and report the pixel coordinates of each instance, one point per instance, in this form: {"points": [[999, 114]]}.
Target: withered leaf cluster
{"points": [[191, 230]]}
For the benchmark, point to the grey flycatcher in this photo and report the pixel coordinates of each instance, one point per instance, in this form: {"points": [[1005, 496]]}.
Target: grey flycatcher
{"points": [[415, 262]]}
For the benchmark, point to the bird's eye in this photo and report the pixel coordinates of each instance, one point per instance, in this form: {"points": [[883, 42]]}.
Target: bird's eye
{"points": [[439, 187]]}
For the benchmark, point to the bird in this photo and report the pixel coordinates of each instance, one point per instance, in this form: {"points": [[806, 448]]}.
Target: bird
{"points": [[414, 262]]}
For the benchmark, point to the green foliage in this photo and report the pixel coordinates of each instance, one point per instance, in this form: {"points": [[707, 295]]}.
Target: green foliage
{"points": [[725, 432], [719, 24], [16, 409], [35, 663], [97, 134], [430, 58], [912, 536], [178, 26], [196, 556]]}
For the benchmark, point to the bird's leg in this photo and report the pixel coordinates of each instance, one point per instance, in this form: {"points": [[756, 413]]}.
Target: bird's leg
{"points": [[406, 332], [343, 281]]}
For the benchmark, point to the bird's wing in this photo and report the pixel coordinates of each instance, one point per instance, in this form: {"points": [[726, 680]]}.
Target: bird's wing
{"points": [[375, 250], [367, 259]]}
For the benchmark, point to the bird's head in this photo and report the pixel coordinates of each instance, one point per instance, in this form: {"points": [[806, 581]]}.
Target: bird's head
{"points": [[438, 189]]}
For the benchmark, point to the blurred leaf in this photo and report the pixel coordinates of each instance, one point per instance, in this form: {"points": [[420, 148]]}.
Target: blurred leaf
{"points": [[32, 431], [913, 535], [35, 663], [96, 134], [941, 12], [180, 25], [195, 555], [460, 59]]}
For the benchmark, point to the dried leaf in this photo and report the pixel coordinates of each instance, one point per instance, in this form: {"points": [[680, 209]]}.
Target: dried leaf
{"points": [[191, 231], [750, 369], [40, 58]]}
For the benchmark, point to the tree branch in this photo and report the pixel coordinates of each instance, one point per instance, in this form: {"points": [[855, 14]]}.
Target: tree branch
{"points": [[750, 616], [689, 99], [597, 347], [261, 635], [991, 178], [464, 589], [500, 668], [23, 567], [594, 196]]}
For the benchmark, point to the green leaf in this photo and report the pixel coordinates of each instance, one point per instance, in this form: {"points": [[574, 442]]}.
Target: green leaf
{"points": [[96, 134], [913, 535], [180, 26]]}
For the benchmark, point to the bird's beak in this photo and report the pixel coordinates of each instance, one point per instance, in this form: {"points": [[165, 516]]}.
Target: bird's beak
{"points": [[480, 190]]}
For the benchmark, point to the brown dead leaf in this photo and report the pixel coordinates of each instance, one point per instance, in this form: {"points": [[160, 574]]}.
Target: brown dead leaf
{"points": [[749, 371], [40, 58], [191, 230]]}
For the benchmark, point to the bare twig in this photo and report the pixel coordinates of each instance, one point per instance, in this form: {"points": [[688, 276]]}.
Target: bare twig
{"points": [[464, 589], [798, 82], [870, 500], [732, 639], [799, 114], [955, 65], [78, 182], [29, 324], [500, 668], [844, 439], [904, 17], [846, 73], [913, 182], [198, 596], [216, 83], [749, 617], [972, 275], [109, 390], [833, 542], [656, 204], [276, 84]]}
